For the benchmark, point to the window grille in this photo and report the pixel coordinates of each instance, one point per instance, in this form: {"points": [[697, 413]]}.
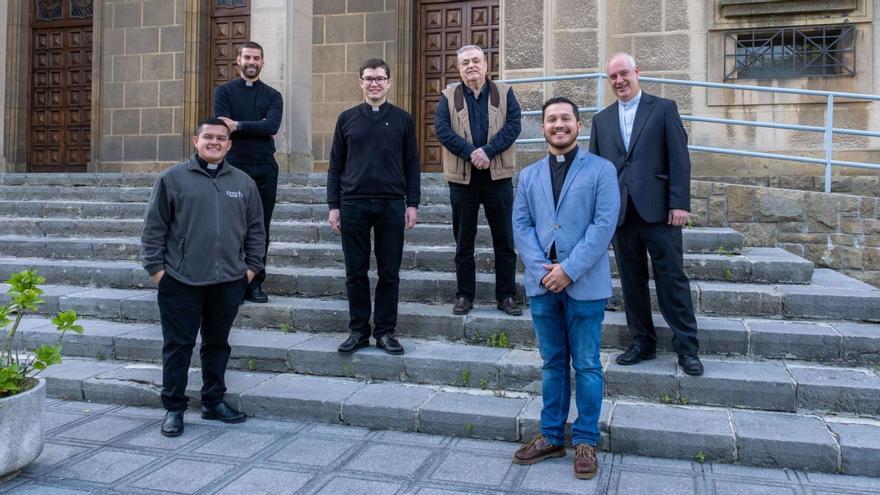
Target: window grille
{"points": [[81, 9], [789, 52], [230, 4], [49, 10]]}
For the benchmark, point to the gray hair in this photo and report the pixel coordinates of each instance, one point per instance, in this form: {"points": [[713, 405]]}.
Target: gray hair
{"points": [[626, 56], [470, 47]]}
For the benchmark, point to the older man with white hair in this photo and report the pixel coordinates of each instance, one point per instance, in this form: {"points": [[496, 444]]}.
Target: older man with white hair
{"points": [[643, 136], [477, 122]]}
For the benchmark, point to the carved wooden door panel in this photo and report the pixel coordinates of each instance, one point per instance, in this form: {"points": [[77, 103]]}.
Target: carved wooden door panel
{"points": [[441, 29], [230, 27], [61, 86]]}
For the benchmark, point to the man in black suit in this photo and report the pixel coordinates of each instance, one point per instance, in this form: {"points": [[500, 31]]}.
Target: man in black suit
{"points": [[644, 137]]}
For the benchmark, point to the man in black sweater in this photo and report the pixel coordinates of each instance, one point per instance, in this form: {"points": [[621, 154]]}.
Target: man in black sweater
{"points": [[373, 182], [252, 111]]}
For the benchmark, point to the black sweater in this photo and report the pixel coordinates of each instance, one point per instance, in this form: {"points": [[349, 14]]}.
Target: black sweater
{"points": [[374, 155], [257, 109]]}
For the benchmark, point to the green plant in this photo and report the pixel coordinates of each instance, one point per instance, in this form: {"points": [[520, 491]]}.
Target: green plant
{"points": [[484, 383], [666, 399], [285, 328], [18, 368], [465, 377], [468, 428], [728, 274], [683, 400], [499, 339], [700, 457], [252, 364]]}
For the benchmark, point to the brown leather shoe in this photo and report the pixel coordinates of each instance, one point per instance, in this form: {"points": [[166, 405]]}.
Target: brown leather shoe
{"points": [[510, 306], [537, 450], [586, 465], [462, 306]]}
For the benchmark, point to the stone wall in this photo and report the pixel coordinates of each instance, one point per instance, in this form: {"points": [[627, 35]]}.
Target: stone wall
{"points": [[141, 94], [344, 34], [859, 185], [838, 231]]}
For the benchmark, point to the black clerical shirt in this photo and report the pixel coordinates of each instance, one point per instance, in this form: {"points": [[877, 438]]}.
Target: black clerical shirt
{"points": [[558, 171]]}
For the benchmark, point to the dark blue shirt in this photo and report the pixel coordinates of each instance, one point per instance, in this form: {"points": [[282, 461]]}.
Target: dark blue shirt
{"points": [[478, 113]]}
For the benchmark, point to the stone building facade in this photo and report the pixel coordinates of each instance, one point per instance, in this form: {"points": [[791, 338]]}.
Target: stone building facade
{"points": [[152, 67]]}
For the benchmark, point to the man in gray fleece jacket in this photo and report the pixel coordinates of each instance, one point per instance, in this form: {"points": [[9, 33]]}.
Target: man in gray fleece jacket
{"points": [[203, 241]]}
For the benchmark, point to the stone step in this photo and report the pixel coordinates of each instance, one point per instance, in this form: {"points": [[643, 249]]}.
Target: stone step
{"points": [[317, 179], [830, 295], [719, 240], [790, 440], [755, 338], [773, 385], [771, 265]]}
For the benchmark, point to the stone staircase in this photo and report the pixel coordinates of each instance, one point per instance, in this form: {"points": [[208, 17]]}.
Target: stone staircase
{"points": [[792, 353]]}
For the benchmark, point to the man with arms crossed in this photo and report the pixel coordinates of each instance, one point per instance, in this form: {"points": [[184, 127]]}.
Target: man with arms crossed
{"points": [[563, 220], [643, 136], [252, 111], [373, 183], [202, 242], [477, 122]]}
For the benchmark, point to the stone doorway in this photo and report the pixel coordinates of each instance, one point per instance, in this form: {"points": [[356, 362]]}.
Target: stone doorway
{"points": [[230, 27], [442, 28], [59, 129]]}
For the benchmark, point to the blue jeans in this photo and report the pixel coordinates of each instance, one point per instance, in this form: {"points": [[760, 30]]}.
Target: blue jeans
{"points": [[569, 330]]}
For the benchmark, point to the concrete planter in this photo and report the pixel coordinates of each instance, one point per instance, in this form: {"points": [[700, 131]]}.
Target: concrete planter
{"points": [[21, 428]]}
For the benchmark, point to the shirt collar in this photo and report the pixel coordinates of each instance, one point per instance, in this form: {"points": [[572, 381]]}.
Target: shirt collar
{"points": [[569, 157], [482, 88], [631, 103]]}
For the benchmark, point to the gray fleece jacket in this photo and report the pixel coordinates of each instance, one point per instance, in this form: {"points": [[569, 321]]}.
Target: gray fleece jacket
{"points": [[203, 231]]}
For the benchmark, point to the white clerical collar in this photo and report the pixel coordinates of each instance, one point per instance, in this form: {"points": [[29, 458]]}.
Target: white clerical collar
{"points": [[634, 101]]}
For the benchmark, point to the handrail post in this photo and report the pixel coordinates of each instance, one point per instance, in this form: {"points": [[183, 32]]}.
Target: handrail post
{"points": [[600, 93], [829, 141]]}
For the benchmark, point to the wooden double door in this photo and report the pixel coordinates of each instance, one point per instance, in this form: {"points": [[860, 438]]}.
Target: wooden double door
{"points": [[59, 134], [441, 29]]}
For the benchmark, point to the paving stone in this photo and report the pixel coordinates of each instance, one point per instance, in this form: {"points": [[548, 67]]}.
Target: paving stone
{"points": [[314, 451], [342, 484], [143, 344], [428, 321], [719, 298], [318, 356], [671, 484], [329, 316], [100, 303], [654, 380], [260, 350], [259, 480], [376, 459], [142, 307], [859, 448], [464, 414], [107, 466], [237, 444], [776, 265], [54, 419], [787, 339], [301, 397], [52, 455], [520, 370], [722, 336], [102, 429], [554, 475], [133, 385], [833, 303], [744, 384], [44, 489], [530, 421], [454, 364], [666, 431], [386, 406], [65, 380], [784, 440], [152, 439], [861, 342], [473, 468], [96, 341], [183, 476], [837, 390], [237, 383]]}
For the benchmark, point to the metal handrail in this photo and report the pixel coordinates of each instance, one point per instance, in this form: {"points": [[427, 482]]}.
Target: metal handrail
{"points": [[828, 129]]}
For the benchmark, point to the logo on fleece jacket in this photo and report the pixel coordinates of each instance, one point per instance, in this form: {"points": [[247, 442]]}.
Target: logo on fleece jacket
{"points": [[235, 194]]}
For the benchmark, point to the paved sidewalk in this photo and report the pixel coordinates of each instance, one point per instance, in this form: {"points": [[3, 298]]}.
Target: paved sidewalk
{"points": [[96, 448]]}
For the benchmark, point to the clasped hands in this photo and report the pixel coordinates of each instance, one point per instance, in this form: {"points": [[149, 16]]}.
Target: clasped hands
{"points": [[556, 280], [480, 159]]}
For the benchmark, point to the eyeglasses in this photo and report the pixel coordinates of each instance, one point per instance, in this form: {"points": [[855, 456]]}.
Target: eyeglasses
{"points": [[371, 80]]}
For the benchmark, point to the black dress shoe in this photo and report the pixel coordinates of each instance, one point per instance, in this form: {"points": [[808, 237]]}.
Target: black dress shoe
{"points": [[222, 412], [389, 344], [255, 293], [510, 306], [172, 425], [635, 355], [354, 342], [691, 365], [462, 306]]}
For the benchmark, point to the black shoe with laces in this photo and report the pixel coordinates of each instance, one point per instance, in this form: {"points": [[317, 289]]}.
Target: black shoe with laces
{"points": [[354, 342]]}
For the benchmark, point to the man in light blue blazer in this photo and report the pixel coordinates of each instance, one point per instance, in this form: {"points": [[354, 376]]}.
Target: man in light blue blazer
{"points": [[564, 216]]}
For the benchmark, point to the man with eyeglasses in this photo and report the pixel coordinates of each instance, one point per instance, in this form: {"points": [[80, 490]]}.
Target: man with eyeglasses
{"points": [[477, 122], [202, 242], [252, 111], [373, 184]]}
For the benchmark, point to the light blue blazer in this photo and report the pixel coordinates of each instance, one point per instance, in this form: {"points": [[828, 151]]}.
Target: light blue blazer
{"points": [[581, 226]]}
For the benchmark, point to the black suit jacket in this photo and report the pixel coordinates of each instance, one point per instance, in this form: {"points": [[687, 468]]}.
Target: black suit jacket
{"points": [[656, 170]]}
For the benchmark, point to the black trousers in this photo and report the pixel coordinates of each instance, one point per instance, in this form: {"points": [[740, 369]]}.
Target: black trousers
{"points": [[497, 200], [385, 217], [184, 309], [266, 177], [632, 243]]}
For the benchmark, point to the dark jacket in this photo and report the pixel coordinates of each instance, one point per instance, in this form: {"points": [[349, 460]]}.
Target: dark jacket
{"points": [[656, 171], [257, 109], [200, 230]]}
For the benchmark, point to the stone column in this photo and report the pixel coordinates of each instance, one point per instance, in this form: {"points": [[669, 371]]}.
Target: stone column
{"points": [[4, 19], [15, 85]]}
